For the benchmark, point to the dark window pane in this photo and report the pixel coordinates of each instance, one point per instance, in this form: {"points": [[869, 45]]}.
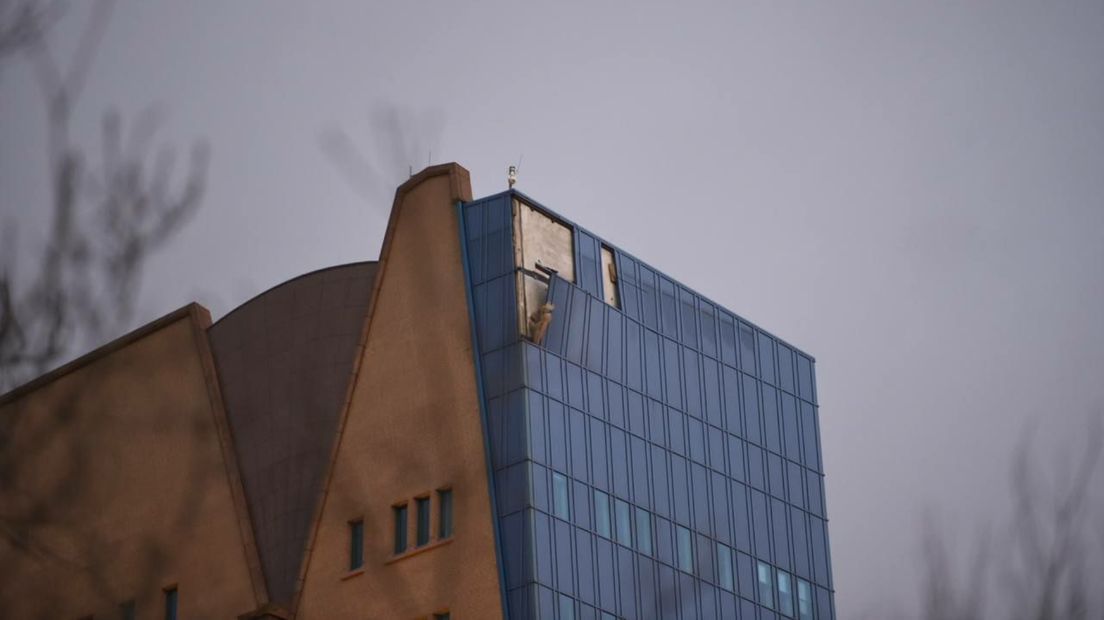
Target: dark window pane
{"points": [[685, 545], [170, 604], [728, 340], [356, 545], [421, 535], [785, 368], [747, 349], [644, 531], [667, 307], [689, 318], [400, 528], [126, 610], [444, 508], [441, 616], [766, 358]]}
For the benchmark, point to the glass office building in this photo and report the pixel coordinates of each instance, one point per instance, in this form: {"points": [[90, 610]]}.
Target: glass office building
{"points": [[653, 454]]}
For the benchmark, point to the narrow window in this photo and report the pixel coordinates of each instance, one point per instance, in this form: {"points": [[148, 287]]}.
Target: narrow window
{"points": [[559, 496], [601, 513], [421, 533], [624, 522], [170, 603], [441, 616], [724, 568], [643, 531], [785, 594], [685, 549], [444, 518], [804, 600], [356, 544], [126, 610], [766, 585], [400, 528]]}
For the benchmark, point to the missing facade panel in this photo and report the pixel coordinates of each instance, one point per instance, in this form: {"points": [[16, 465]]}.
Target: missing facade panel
{"points": [[543, 247], [609, 278]]}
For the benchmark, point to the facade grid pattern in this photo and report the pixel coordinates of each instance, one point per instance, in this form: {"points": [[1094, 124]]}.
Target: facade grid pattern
{"points": [[648, 460]]}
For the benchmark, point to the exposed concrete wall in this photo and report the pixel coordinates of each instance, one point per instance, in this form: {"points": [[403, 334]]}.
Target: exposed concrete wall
{"points": [[412, 426], [116, 485]]}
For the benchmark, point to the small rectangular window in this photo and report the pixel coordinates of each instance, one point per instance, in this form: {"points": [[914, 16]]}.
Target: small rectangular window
{"points": [[441, 616], [623, 516], [804, 600], [766, 585], [785, 594], [444, 517], [685, 549], [400, 528], [643, 531], [171, 603], [724, 568], [421, 531], [126, 610], [560, 506], [601, 513], [356, 544]]}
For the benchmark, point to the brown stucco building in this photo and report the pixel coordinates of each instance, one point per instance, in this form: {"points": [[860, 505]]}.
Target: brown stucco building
{"points": [[503, 416], [217, 467]]}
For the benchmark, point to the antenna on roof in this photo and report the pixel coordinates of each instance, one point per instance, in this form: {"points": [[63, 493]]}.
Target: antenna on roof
{"points": [[512, 172]]}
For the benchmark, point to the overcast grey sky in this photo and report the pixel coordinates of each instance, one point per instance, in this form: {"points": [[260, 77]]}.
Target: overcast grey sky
{"points": [[911, 192]]}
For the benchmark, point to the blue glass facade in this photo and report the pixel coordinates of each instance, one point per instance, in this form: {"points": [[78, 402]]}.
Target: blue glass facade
{"points": [[656, 460]]}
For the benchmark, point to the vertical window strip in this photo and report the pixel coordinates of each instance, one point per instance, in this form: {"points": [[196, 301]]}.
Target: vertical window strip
{"points": [[785, 594], [356, 544], [560, 505], [766, 585], [602, 514], [623, 517], [804, 600], [444, 507], [171, 603], [725, 576], [685, 543], [643, 531], [421, 531], [400, 528]]}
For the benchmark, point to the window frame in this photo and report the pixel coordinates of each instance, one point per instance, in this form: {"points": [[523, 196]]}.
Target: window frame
{"points": [[356, 544], [171, 596], [445, 514], [423, 507], [400, 514]]}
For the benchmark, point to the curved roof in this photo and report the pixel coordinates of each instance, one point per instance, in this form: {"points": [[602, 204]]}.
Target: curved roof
{"points": [[284, 361]]}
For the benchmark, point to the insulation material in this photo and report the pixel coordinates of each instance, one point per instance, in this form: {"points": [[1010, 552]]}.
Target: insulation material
{"points": [[609, 278], [540, 244]]}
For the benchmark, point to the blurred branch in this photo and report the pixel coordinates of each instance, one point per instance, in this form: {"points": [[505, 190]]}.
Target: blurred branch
{"points": [[400, 141], [105, 219], [1045, 558]]}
